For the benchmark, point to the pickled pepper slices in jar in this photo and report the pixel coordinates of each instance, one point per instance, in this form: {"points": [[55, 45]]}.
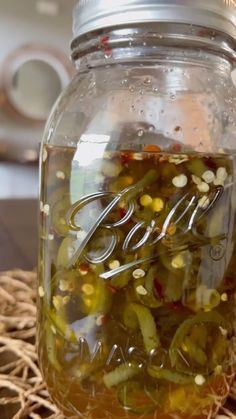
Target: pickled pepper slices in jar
{"points": [[137, 305]]}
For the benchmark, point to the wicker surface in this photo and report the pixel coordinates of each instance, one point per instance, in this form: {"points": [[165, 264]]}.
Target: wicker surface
{"points": [[23, 393]]}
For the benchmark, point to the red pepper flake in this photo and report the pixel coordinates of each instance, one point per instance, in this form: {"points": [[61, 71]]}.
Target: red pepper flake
{"points": [[108, 52], [112, 289], [158, 288], [105, 46], [211, 163], [229, 280], [229, 283], [122, 212], [104, 41], [84, 267], [177, 148], [204, 33], [177, 305], [125, 158]]}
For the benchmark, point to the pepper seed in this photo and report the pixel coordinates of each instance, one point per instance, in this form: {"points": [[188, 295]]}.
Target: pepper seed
{"points": [[180, 181], [60, 175], [141, 290], [196, 180], [178, 262], [204, 202], [114, 264], [88, 289], [203, 187], [41, 292], [208, 176], [138, 273], [224, 297], [199, 380]]}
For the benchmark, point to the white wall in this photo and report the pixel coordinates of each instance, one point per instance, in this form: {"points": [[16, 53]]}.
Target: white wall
{"points": [[20, 24]]}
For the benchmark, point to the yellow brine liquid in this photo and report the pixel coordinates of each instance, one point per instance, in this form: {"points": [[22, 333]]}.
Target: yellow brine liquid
{"points": [[137, 282]]}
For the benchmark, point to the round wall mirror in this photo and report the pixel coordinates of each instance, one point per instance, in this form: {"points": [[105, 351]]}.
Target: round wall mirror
{"points": [[33, 78], [35, 87]]}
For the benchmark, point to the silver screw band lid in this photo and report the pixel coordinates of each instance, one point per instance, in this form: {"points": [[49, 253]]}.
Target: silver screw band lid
{"points": [[90, 15]]}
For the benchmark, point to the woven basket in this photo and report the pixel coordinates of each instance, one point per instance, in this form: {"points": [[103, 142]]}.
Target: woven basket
{"points": [[23, 393]]}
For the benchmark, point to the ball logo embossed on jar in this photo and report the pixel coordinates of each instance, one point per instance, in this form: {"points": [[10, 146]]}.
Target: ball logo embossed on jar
{"points": [[187, 204]]}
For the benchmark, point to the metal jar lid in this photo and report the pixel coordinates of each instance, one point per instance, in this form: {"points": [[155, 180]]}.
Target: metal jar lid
{"points": [[90, 15]]}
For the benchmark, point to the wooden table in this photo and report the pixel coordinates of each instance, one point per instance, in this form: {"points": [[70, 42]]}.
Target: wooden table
{"points": [[18, 234]]}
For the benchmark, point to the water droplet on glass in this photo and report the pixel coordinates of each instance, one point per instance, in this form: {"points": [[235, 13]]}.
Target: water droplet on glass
{"points": [[151, 128], [141, 92], [155, 89], [173, 97], [147, 80], [140, 133], [124, 82]]}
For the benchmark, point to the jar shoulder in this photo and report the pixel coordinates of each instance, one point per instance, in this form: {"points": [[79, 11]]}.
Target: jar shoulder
{"points": [[126, 102]]}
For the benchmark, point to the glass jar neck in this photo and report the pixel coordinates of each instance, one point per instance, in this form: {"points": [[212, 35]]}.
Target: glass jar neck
{"points": [[155, 43]]}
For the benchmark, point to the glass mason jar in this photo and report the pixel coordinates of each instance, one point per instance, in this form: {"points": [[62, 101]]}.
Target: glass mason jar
{"points": [[137, 263]]}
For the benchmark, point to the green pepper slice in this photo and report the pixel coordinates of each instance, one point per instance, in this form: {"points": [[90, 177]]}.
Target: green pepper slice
{"points": [[122, 373], [172, 376], [143, 316], [185, 327], [136, 398]]}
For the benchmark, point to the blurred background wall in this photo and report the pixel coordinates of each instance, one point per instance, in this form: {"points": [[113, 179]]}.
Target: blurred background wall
{"points": [[28, 30]]}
